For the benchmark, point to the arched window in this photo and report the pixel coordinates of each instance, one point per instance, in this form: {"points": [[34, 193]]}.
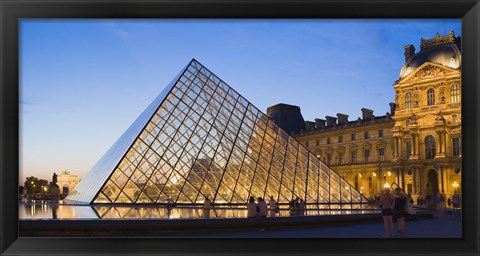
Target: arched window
{"points": [[430, 147], [455, 94], [408, 100], [431, 97]]}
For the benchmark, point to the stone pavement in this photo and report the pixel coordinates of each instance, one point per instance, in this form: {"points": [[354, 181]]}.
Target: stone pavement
{"points": [[445, 227]]}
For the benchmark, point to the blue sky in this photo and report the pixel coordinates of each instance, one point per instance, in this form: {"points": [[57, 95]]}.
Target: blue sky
{"points": [[83, 82]]}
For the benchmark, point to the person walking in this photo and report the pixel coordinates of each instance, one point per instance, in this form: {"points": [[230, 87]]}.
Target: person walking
{"points": [[399, 211], [206, 207], [251, 208], [273, 206], [456, 203], [296, 205], [386, 200], [262, 208], [301, 207], [291, 206]]}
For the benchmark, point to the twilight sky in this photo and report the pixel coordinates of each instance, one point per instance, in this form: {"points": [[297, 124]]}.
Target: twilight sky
{"points": [[83, 82]]}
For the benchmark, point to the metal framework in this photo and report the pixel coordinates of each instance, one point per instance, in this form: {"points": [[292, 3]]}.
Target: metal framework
{"points": [[200, 138]]}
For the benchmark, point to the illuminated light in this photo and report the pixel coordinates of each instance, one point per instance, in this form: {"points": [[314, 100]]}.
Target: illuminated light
{"points": [[360, 175], [386, 185], [45, 188], [389, 173], [374, 175], [455, 184]]}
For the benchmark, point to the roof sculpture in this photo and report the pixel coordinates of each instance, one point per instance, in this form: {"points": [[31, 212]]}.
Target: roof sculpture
{"points": [[201, 138], [443, 50]]}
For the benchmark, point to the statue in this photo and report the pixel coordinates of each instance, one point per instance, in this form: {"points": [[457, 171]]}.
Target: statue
{"points": [[415, 98], [54, 189], [54, 179]]}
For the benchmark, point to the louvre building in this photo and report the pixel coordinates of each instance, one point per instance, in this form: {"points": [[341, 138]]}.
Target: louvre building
{"points": [[199, 138]]}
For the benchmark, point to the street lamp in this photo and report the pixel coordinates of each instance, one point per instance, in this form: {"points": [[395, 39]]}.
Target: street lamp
{"points": [[455, 185]]}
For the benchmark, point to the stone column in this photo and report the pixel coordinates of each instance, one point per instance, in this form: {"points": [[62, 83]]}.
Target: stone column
{"points": [[445, 142], [403, 178], [437, 144], [442, 179], [379, 182], [417, 149], [394, 147], [414, 180], [414, 146], [420, 187]]}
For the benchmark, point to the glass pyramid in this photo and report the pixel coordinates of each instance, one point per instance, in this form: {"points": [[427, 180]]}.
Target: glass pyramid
{"points": [[200, 138]]}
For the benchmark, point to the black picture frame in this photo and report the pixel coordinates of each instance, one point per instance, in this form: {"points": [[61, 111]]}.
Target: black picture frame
{"points": [[13, 10]]}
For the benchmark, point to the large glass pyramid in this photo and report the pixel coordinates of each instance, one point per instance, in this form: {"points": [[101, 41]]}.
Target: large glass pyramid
{"points": [[200, 138]]}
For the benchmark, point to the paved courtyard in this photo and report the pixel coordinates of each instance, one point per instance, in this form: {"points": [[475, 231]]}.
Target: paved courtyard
{"points": [[444, 227]]}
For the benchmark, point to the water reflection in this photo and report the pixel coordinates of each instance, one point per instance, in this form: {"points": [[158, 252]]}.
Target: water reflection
{"points": [[47, 210]]}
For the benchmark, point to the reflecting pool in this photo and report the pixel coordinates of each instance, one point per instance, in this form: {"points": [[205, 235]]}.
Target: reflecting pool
{"points": [[48, 210]]}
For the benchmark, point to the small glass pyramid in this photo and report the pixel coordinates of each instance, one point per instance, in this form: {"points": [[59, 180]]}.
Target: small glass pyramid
{"points": [[201, 138]]}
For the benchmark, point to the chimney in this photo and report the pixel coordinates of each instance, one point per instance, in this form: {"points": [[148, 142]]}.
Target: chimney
{"points": [[409, 51], [310, 126], [319, 123], [331, 121], [342, 118], [367, 114], [392, 108]]}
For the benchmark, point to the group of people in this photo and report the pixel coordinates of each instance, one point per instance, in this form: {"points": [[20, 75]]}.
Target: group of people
{"points": [[296, 207], [394, 205], [261, 209]]}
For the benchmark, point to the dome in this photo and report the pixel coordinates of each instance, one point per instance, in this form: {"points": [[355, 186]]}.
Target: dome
{"points": [[448, 55]]}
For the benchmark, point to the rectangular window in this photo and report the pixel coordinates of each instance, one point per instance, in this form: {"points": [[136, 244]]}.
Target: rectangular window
{"points": [[381, 154], [341, 157], [328, 141], [366, 135], [340, 138], [380, 133], [456, 146], [329, 159], [353, 137], [354, 156], [318, 143], [408, 145], [455, 93], [367, 155]]}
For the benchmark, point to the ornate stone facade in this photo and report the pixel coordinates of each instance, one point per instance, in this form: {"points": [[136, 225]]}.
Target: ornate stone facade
{"points": [[420, 146], [360, 151]]}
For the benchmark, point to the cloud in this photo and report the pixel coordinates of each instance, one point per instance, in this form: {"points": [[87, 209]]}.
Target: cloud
{"points": [[32, 101], [115, 28]]}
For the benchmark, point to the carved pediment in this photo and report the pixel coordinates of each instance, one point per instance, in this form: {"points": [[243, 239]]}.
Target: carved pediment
{"points": [[429, 70], [429, 120]]}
